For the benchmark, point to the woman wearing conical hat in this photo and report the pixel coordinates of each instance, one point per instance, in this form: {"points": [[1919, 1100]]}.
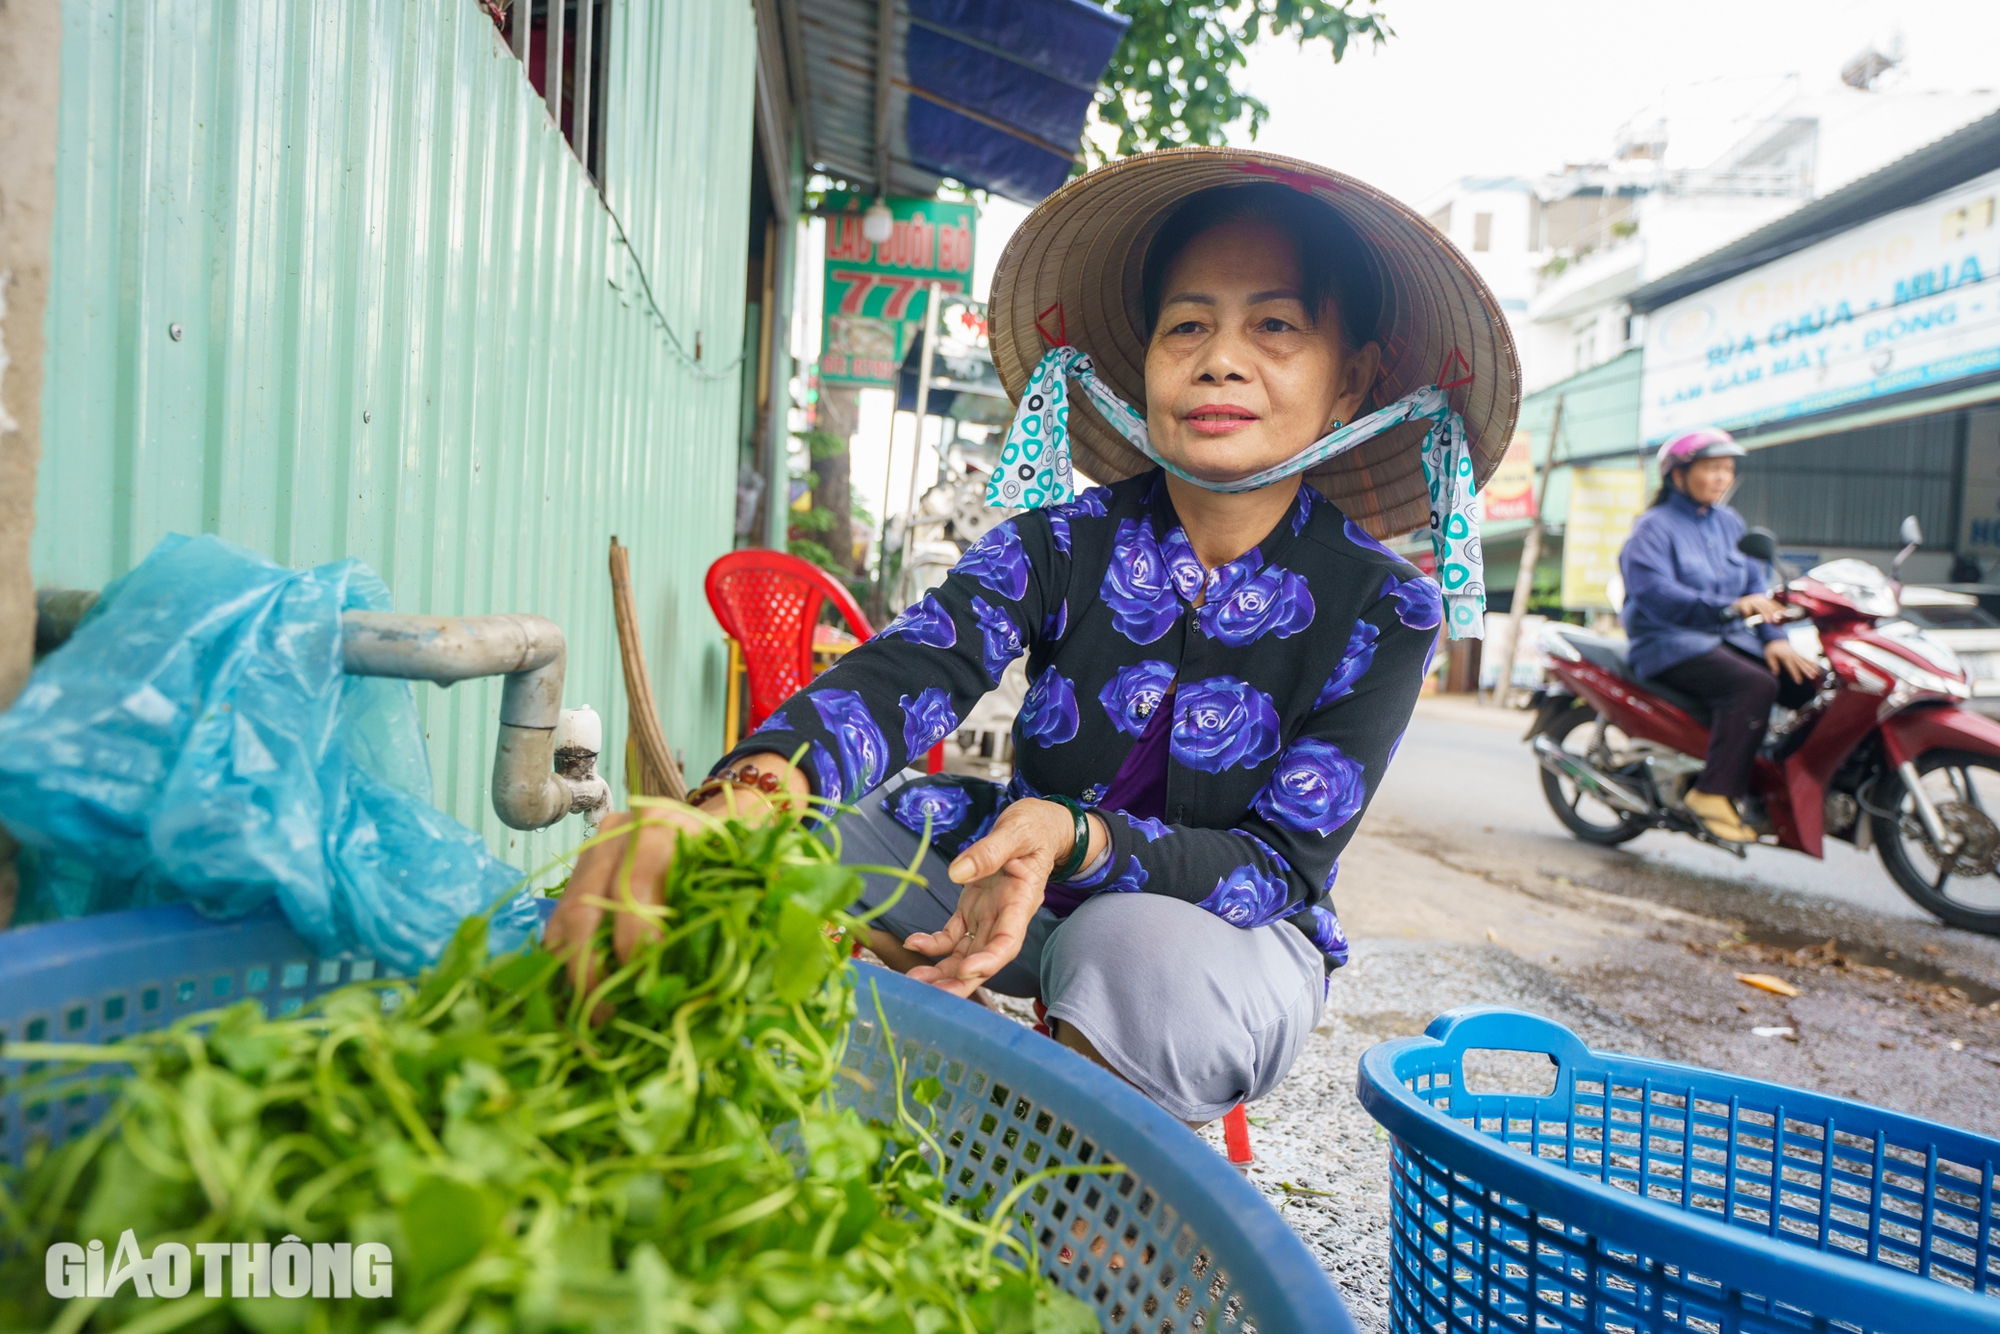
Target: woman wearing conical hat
{"points": [[1273, 367]]}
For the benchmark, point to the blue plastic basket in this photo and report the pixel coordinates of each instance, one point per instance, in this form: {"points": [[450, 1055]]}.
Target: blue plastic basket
{"points": [[1644, 1196], [1179, 1242]]}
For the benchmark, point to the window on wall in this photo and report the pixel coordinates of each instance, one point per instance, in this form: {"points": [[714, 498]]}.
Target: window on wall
{"points": [[563, 46], [1482, 231], [1442, 219]]}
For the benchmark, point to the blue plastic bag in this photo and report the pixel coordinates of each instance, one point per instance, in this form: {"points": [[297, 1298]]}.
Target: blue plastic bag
{"points": [[197, 740]]}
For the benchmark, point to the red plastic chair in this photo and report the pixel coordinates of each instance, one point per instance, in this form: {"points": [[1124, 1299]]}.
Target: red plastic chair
{"points": [[769, 602]]}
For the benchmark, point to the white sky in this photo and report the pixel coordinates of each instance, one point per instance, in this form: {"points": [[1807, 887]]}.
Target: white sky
{"points": [[1499, 87], [1519, 87]]}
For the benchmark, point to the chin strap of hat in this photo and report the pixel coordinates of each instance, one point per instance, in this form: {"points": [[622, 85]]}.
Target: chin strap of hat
{"points": [[1034, 468]]}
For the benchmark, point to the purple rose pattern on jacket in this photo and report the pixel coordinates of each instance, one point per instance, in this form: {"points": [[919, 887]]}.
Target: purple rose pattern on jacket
{"points": [[998, 561], [946, 807], [1056, 626], [927, 720], [1277, 858], [1226, 578], [923, 622], [1353, 665], [1143, 605], [1221, 723], [826, 773], [1132, 881], [1276, 602], [1131, 697], [1232, 737], [864, 751], [1419, 601], [1089, 505], [1247, 897], [776, 722], [1048, 712], [1184, 570], [1316, 789], [1359, 537], [1327, 937], [1002, 639]]}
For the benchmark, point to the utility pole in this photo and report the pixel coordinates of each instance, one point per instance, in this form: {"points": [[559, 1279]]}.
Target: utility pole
{"points": [[1531, 555], [917, 453]]}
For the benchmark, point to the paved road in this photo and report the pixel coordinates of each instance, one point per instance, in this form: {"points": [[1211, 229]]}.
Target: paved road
{"points": [[1470, 761]]}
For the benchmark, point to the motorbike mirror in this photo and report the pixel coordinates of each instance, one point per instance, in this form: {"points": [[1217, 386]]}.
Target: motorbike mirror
{"points": [[1912, 531], [1759, 544]]}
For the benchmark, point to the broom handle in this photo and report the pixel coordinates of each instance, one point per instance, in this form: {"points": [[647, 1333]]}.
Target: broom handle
{"points": [[663, 778]]}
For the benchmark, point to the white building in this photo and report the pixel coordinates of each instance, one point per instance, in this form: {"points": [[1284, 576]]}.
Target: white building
{"points": [[1562, 251]]}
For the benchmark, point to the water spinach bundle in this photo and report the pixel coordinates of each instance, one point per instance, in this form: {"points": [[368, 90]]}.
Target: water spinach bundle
{"points": [[680, 1166]]}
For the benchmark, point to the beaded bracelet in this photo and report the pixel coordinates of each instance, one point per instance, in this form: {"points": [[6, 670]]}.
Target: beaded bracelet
{"points": [[749, 775]]}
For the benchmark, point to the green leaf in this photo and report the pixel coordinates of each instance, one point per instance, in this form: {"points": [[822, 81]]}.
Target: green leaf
{"points": [[804, 955], [925, 1091], [445, 1225], [825, 888]]}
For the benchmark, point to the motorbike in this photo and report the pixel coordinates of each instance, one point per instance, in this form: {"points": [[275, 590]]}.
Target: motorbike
{"points": [[1884, 756]]}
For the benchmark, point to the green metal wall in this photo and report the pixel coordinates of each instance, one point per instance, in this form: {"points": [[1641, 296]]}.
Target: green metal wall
{"points": [[408, 330]]}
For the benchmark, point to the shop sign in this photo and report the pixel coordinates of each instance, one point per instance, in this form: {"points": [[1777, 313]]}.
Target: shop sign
{"points": [[876, 294], [1510, 492], [1603, 502], [1900, 303], [1979, 524], [863, 352]]}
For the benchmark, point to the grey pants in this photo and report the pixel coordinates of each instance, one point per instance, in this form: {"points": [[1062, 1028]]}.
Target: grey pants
{"points": [[1198, 1014]]}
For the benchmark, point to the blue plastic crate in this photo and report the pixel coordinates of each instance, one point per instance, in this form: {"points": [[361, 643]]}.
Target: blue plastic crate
{"points": [[1179, 1242], [1643, 1196]]}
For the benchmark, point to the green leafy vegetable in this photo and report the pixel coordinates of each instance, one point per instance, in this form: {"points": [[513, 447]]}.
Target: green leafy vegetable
{"points": [[681, 1166]]}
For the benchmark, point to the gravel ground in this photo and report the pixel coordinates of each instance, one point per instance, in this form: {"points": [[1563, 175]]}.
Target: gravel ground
{"points": [[1320, 1159]]}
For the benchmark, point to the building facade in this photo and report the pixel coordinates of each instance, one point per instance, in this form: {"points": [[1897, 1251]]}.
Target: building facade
{"points": [[342, 279]]}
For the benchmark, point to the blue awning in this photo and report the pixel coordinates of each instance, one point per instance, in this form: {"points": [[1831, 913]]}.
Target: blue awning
{"points": [[990, 93]]}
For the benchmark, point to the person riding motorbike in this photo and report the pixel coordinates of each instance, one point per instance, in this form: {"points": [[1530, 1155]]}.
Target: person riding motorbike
{"points": [[1687, 594]]}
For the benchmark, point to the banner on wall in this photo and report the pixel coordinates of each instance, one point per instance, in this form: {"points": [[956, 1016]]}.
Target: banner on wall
{"points": [[1510, 492], [1603, 502], [876, 294], [1900, 303]]}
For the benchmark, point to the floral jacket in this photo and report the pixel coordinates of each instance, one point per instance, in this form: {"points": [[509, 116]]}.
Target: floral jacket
{"points": [[1292, 683]]}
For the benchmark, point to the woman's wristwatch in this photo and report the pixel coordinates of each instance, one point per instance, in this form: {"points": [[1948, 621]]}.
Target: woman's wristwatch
{"points": [[1079, 852]]}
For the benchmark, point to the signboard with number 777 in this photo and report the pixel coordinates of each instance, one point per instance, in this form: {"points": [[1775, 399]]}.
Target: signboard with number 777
{"points": [[889, 281]]}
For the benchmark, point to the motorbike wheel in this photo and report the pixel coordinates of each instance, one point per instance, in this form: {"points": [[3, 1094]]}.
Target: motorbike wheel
{"points": [[1963, 889], [1582, 814]]}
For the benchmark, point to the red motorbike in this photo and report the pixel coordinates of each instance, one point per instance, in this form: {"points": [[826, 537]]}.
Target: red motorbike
{"points": [[1884, 756]]}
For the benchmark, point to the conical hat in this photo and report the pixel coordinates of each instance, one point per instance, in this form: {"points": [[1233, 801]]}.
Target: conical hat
{"points": [[1072, 273]]}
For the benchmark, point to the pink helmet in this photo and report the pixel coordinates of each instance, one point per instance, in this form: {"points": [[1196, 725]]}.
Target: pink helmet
{"points": [[1704, 442]]}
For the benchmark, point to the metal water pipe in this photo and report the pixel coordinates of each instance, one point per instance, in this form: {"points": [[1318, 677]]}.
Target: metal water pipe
{"points": [[545, 761]]}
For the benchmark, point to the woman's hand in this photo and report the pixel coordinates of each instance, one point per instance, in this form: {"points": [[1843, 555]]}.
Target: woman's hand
{"points": [[1758, 604], [599, 881], [1785, 660], [1004, 875]]}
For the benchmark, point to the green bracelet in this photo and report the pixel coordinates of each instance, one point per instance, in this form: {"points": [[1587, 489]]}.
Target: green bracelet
{"points": [[1080, 852]]}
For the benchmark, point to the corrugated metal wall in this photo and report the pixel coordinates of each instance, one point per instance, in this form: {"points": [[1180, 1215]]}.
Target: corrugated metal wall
{"points": [[407, 329], [1853, 489]]}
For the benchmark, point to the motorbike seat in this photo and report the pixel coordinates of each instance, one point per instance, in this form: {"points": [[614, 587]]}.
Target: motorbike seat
{"points": [[1609, 654]]}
